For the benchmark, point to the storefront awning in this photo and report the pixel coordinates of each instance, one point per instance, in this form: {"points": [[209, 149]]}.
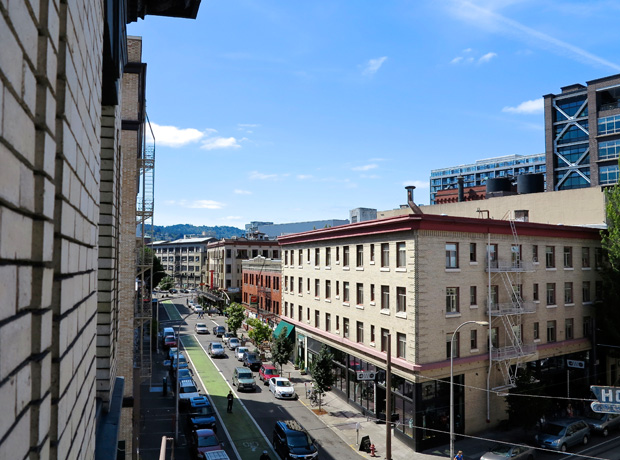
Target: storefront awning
{"points": [[281, 325]]}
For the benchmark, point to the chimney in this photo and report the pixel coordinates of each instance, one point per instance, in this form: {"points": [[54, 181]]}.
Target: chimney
{"points": [[414, 207], [460, 181]]}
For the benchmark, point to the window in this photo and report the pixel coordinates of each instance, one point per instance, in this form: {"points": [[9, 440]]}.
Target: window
{"points": [[452, 300], [598, 290], [359, 255], [308, 285], [568, 257], [317, 287], [385, 297], [345, 327], [401, 255], [473, 339], [275, 254], [384, 339], [317, 257], [550, 256], [598, 258], [472, 252], [345, 291], [550, 293], [360, 294], [337, 289], [328, 322], [401, 345], [495, 337], [328, 257], [372, 253], [585, 257], [385, 255], [568, 293], [300, 285], [328, 289], [473, 295], [535, 253], [300, 258], [515, 255], [452, 346], [372, 293], [338, 254], [308, 255], [337, 322], [587, 326], [569, 328], [308, 314], [452, 255], [372, 333], [492, 254], [300, 314], [359, 336], [535, 294], [585, 289], [551, 331], [536, 331], [345, 256], [401, 300], [494, 295], [317, 318]]}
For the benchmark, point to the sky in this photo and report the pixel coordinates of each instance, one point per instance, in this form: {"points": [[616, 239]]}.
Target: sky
{"points": [[294, 111]]}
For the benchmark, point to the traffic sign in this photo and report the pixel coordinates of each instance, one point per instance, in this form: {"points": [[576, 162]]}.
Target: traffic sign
{"points": [[605, 408], [608, 395], [366, 375], [575, 364]]}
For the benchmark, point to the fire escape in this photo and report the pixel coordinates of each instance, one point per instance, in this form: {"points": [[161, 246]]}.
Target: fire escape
{"points": [[507, 316], [144, 256]]}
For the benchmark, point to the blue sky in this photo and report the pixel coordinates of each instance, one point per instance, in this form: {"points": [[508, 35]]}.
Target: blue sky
{"points": [[290, 111]]}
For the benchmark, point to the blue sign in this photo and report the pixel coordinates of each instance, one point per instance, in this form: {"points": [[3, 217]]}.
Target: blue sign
{"points": [[605, 408], [609, 395]]}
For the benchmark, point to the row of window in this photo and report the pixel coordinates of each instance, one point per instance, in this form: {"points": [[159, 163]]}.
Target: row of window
{"points": [[243, 254], [173, 250], [264, 303], [268, 281], [181, 259], [385, 292], [325, 322], [346, 254], [183, 268], [516, 255], [609, 125]]}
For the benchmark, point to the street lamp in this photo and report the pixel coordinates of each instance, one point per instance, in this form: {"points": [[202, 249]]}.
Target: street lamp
{"points": [[480, 323]]}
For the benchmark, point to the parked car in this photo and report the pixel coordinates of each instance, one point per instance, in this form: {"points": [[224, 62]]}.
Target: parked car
{"points": [[506, 451], [184, 374], [233, 343], [201, 328], [172, 351], [240, 351], [201, 414], [187, 391], [182, 360], [203, 441], [243, 379], [216, 350], [282, 388], [601, 423], [266, 372], [563, 433], [227, 336], [252, 361], [291, 441], [170, 341], [219, 331], [173, 291]]}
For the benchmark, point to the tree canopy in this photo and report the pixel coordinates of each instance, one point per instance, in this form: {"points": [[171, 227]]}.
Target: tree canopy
{"points": [[236, 315], [281, 348], [260, 331], [322, 374]]}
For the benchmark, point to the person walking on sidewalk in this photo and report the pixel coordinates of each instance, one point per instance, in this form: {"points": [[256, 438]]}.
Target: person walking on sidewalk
{"points": [[230, 398], [459, 456]]}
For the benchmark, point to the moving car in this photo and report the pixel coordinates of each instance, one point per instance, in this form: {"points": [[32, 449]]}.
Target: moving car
{"points": [[243, 379], [201, 328], [266, 372], [240, 351], [219, 331], [291, 441], [507, 451], [226, 337], [201, 414], [233, 343], [601, 423], [563, 433], [197, 309], [282, 388], [203, 441], [216, 350], [252, 361]]}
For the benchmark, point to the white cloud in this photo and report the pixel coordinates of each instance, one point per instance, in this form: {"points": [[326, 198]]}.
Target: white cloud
{"points": [[171, 136], [373, 65], [242, 192], [213, 143], [369, 176], [262, 176], [304, 176], [204, 204], [487, 57], [527, 107], [364, 167], [456, 60]]}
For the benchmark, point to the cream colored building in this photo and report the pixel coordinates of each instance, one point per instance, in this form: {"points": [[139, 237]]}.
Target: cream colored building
{"points": [[184, 259], [418, 278]]}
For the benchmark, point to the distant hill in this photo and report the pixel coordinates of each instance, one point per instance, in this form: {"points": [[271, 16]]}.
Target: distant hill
{"points": [[175, 232]]}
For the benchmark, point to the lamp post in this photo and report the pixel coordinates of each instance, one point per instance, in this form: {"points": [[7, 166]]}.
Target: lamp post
{"points": [[480, 323]]}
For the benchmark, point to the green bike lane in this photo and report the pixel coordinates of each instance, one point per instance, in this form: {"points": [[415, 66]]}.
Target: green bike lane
{"points": [[248, 441], [171, 310]]}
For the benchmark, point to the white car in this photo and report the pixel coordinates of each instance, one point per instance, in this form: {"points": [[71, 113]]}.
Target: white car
{"points": [[282, 388], [201, 328], [240, 351], [233, 343]]}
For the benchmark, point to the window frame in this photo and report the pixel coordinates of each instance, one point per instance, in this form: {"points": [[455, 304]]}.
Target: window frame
{"points": [[452, 300], [452, 255]]}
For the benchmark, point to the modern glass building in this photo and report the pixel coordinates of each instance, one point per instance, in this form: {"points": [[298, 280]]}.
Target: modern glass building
{"points": [[477, 173], [582, 134]]}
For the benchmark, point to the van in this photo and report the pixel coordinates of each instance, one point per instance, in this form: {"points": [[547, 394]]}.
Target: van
{"points": [[168, 331], [291, 441], [563, 433]]}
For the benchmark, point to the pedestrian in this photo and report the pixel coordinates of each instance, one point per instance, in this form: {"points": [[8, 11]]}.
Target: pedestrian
{"points": [[459, 456], [264, 456], [230, 398], [569, 410]]}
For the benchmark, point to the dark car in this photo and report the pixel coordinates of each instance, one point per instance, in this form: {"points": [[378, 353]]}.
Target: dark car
{"points": [[252, 361], [201, 414], [219, 331], [291, 441], [173, 291], [602, 423]]}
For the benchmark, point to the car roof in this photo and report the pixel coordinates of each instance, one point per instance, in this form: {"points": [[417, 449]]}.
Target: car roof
{"points": [[201, 325], [279, 379], [268, 366], [205, 432], [244, 369], [186, 382]]}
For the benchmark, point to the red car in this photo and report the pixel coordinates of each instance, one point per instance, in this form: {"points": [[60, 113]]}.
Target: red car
{"points": [[266, 372], [203, 441], [170, 341]]}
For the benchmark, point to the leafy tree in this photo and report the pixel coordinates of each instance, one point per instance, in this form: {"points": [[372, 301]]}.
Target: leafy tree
{"points": [[236, 315], [281, 348], [260, 331], [166, 283], [322, 374], [524, 407]]}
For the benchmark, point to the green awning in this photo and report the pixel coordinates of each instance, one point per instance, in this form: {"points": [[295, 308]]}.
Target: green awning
{"points": [[281, 325]]}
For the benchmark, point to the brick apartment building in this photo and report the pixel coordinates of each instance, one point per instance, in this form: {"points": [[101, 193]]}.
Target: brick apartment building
{"points": [[262, 294]]}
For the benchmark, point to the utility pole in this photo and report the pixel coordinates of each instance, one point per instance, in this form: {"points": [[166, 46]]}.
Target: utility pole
{"points": [[388, 399]]}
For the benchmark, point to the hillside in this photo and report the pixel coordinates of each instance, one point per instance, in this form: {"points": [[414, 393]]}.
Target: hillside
{"points": [[174, 232]]}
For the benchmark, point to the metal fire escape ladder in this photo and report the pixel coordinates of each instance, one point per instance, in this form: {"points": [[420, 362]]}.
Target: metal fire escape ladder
{"points": [[144, 254]]}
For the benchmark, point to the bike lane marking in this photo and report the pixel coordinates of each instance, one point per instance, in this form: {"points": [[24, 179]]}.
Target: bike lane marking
{"points": [[246, 437], [171, 309]]}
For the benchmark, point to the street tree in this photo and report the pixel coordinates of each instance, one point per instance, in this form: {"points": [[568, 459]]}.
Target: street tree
{"points": [[236, 315], [526, 404], [259, 332], [322, 374], [281, 348], [166, 283]]}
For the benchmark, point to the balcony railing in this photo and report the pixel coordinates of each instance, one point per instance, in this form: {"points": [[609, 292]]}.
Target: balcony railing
{"points": [[512, 308], [610, 106], [496, 266], [511, 352]]}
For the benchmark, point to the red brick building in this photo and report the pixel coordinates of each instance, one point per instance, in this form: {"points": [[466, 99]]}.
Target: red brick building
{"points": [[262, 295]]}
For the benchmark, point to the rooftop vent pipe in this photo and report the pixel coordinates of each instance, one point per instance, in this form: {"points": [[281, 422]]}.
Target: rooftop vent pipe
{"points": [[414, 207], [460, 180]]}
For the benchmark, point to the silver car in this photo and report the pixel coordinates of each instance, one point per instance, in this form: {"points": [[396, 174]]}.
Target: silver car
{"points": [[216, 350], [505, 451], [602, 423], [563, 433]]}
